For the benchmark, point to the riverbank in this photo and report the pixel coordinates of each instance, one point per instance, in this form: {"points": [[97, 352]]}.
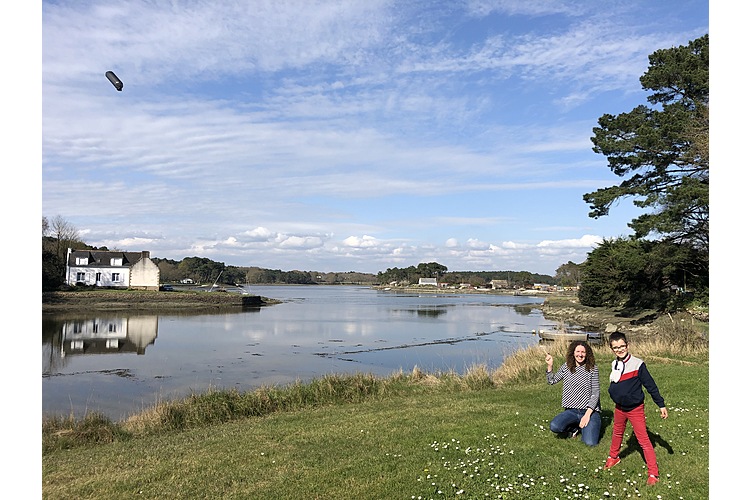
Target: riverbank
{"points": [[146, 300], [567, 309]]}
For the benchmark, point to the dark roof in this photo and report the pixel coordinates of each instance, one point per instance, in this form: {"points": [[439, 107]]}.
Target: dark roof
{"points": [[99, 258]]}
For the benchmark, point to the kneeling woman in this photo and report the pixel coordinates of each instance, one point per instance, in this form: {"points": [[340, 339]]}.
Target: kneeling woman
{"points": [[580, 394]]}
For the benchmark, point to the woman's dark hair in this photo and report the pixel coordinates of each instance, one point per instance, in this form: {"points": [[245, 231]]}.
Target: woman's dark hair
{"points": [[570, 359]]}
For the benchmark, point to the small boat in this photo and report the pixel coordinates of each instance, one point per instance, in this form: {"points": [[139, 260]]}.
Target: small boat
{"points": [[562, 335]]}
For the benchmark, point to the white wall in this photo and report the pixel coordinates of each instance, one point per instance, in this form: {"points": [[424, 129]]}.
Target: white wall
{"points": [[144, 274]]}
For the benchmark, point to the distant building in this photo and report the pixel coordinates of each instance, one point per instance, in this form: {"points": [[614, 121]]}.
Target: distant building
{"points": [[111, 269], [544, 287], [498, 284], [428, 281]]}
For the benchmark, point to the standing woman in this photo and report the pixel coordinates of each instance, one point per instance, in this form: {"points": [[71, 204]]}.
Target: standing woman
{"points": [[580, 394]]}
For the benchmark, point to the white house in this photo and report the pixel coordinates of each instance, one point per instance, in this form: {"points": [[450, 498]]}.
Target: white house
{"points": [[428, 281], [111, 269]]}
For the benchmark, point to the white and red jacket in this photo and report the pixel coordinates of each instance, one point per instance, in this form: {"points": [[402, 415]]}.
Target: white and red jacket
{"points": [[628, 378]]}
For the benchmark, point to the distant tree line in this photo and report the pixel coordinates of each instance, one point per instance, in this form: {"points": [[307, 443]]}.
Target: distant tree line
{"points": [[201, 270], [412, 274]]}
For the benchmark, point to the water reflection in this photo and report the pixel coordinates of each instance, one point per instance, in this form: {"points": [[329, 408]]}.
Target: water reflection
{"points": [[109, 335], [121, 364], [97, 335]]}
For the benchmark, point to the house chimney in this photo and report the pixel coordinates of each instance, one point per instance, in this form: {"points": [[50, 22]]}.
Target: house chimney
{"points": [[144, 254]]}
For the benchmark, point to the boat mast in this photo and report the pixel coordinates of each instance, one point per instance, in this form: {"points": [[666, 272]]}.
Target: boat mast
{"points": [[217, 279]]}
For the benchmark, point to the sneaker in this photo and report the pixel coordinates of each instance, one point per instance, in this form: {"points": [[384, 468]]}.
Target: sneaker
{"points": [[611, 462], [652, 480], [575, 433]]}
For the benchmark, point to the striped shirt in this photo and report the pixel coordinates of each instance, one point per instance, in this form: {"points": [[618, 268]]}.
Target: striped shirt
{"points": [[580, 389]]}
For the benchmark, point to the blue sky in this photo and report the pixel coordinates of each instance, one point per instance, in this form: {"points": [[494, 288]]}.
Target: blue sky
{"points": [[344, 135]]}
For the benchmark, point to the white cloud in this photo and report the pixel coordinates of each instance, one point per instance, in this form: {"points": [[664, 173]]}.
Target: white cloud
{"points": [[259, 234], [363, 242], [300, 242], [585, 241], [475, 244]]}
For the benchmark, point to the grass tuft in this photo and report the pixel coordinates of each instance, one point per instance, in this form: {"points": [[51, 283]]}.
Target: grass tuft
{"points": [[61, 433], [523, 366]]}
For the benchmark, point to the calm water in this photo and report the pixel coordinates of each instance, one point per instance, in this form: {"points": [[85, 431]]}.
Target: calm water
{"points": [[118, 364]]}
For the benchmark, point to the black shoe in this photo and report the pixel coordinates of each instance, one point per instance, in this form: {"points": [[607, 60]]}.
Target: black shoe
{"points": [[575, 433]]}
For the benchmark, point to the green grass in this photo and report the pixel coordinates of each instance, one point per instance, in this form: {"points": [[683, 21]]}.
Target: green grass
{"points": [[413, 435]]}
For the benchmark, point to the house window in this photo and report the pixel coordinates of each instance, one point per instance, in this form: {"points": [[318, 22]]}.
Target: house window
{"points": [[112, 328], [82, 261], [98, 277], [115, 277], [116, 261], [81, 277]]}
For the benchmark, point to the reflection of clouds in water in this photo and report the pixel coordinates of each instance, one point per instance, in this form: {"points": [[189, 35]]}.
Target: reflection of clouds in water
{"points": [[256, 335], [311, 332], [403, 324], [279, 344], [359, 330]]}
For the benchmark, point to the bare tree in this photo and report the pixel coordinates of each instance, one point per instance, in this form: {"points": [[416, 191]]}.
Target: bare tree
{"points": [[64, 234]]}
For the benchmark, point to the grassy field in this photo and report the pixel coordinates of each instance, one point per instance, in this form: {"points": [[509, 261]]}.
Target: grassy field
{"points": [[412, 435]]}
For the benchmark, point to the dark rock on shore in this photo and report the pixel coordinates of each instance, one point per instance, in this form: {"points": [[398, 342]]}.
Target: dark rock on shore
{"points": [[566, 308]]}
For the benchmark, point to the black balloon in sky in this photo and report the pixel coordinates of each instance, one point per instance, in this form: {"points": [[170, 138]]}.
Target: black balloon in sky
{"points": [[115, 81]]}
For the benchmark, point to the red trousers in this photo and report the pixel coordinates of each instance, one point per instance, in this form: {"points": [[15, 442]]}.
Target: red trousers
{"points": [[637, 418]]}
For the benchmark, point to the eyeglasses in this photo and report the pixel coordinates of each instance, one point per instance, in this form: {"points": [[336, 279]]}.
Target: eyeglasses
{"points": [[619, 347]]}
